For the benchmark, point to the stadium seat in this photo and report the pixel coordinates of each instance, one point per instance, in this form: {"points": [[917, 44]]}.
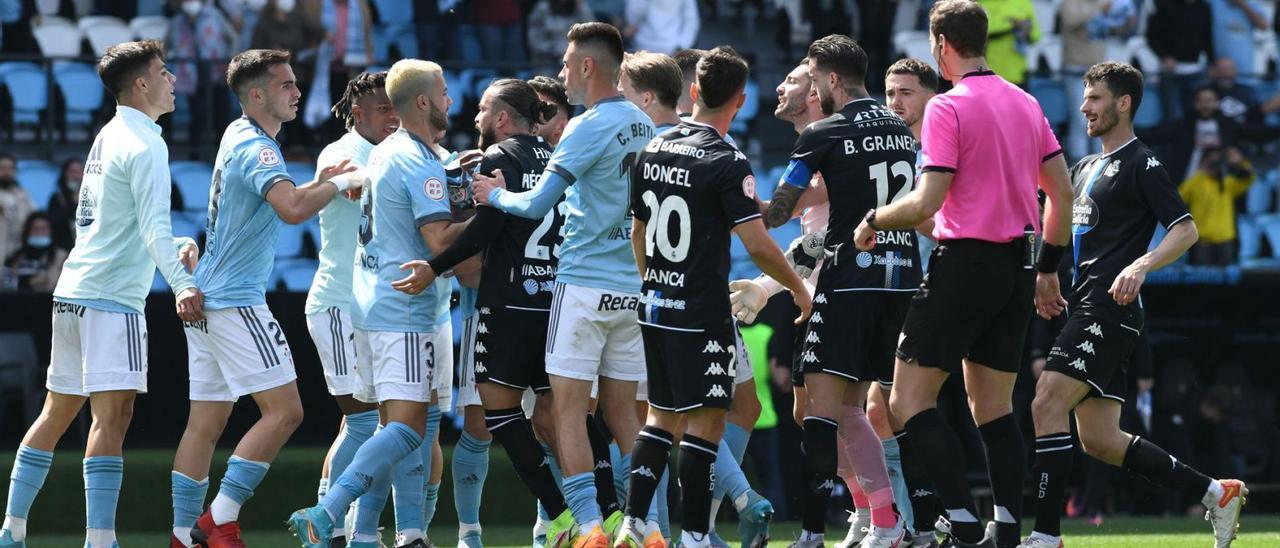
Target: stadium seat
{"points": [[1046, 12], [193, 180], [301, 172], [55, 21], [295, 275], [1052, 99], [29, 90], [289, 244], [1140, 51], [40, 183], [1150, 112], [749, 108], [469, 76], [56, 40], [17, 66], [105, 35], [913, 43], [82, 91], [478, 87], [1265, 52], [48, 8], [149, 27], [453, 82], [1118, 51], [28, 165], [93, 21], [1048, 48], [187, 225]]}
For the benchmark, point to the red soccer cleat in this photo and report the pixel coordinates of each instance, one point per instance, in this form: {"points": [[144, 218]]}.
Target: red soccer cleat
{"points": [[208, 535]]}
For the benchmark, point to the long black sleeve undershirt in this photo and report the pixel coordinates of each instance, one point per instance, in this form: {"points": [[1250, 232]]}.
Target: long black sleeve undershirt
{"points": [[482, 231]]}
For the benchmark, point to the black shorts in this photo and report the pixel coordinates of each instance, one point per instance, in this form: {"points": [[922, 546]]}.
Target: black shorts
{"points": [[797, 352], [688, 370], [975, 303], [853, 334], [509, 348], [1094, 347]]}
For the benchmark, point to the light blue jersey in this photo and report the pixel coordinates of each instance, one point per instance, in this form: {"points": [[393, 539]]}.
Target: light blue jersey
{"points": [[406, 190], [242, 227], [593, 162], [339, 222]]}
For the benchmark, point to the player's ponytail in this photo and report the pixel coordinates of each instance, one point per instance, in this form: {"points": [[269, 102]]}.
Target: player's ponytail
{"points": [[522, 102]]}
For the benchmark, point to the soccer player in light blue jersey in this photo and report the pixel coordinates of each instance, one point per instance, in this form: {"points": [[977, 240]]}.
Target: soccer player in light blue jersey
{"points": [[369, 118], [402, 336], [239, 349], [99, 349], [594, 332]]}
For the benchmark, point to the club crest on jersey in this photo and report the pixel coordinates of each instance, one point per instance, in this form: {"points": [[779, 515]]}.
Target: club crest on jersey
{"points": [[749, 186], [1112, 169], [433, 188], [268, 156]]}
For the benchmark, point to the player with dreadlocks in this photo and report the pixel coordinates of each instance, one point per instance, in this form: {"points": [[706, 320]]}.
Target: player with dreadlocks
{"points": [[369, 118]]}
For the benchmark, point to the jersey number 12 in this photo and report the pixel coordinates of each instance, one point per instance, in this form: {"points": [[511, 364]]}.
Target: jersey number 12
{"points": [[882, 173]]}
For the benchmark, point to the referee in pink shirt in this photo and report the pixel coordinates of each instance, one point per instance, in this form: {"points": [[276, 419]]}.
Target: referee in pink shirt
{"points": [[986, 146]]}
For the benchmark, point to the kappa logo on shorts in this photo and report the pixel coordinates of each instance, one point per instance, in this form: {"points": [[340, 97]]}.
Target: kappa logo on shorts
{"points": [[820, 299], [480, 349], [827, 485], [604, 465], [482, 328], [813, 337], [808, 357], [713, 347], [1095, 329], [1078, 364], [480, 368], [717, 391], [1087, 346], [816, 318], [484, 311], [714, 369]]}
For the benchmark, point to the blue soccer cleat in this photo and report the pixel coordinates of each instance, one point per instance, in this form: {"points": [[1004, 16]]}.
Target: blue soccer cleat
{"points": [[753, 521], [6, 540], [312, 526]]}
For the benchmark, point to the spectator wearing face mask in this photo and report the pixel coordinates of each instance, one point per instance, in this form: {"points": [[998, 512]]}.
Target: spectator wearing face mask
{"points": [[37, 263], [15, 205], [62, 205]]}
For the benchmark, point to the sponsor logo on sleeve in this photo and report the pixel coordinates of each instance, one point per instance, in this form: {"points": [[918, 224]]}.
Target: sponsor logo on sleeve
{"points": [[268, 156], [433, 188]]}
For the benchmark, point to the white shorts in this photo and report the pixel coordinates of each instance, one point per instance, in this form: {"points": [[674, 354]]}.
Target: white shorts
{"points": [[594, 333], [96, 351], [468, 394], [334, 336], [400, 366], [235, 352]]}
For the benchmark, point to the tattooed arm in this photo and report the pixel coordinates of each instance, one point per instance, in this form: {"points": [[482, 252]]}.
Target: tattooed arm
{"points": [[782, 207]]}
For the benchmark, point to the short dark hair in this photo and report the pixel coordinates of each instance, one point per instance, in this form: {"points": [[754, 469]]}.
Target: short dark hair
{"points": [[722, 73], [364, 84], [521, 100], [599, 35], [1120, 79], [915, 67], [122, 63], [9, 157], [248, 66], [551, 88], [842, 55], [656, 73], [688, 61], [963, 22]]}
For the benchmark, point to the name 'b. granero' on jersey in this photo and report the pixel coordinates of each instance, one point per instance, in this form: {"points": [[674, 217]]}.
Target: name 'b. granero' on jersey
{"points": [[866, 156]]}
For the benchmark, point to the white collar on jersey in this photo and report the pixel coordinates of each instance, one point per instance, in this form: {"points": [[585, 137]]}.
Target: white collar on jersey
{"points": [[131, 114]]}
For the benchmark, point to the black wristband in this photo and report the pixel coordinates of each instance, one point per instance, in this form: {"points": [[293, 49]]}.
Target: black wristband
{"points": [[871, 220], [1050, 257]]}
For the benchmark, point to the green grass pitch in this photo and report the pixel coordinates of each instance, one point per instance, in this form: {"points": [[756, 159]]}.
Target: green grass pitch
{"points": [[57, 516]]}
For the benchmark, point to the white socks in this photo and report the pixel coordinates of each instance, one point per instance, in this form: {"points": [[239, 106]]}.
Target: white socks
{"points": [[100, 538], [17, 527], [1209, 500], [224, 510]]}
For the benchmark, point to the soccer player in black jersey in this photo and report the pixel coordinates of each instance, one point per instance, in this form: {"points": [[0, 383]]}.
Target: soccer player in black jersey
{"points": [[514, 297], [866, 156], [1120, 195], [685, 314]]}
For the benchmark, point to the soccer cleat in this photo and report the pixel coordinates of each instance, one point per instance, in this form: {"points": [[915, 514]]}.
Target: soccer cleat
{"points": [[1225, 515], [418, 543], [926, 539], [716, 541], [1038, 542], [885, 538], [595, 538], [6, 540], [753, 521], [470, 539], [560, 531], [630, 535], [613, 523], [312, 526], [227, 535], [859, 527], [806, 544]]}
